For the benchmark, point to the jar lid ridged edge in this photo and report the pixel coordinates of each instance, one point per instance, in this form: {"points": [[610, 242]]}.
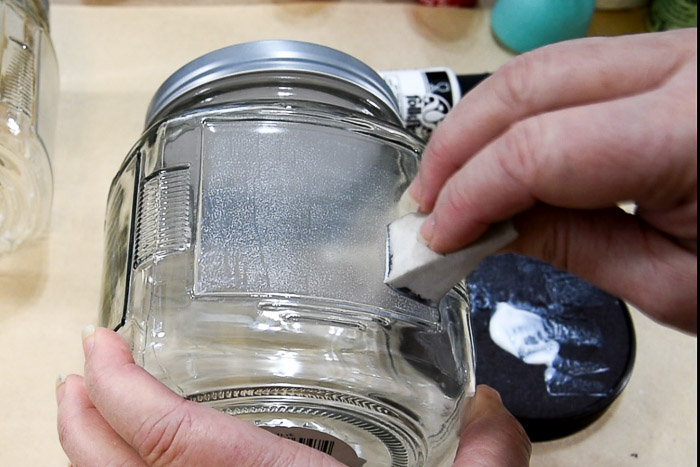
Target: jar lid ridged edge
{"points": [[267, 55]]}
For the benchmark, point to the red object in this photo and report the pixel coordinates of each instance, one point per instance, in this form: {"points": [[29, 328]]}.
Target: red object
{"points": [[465, 3]]}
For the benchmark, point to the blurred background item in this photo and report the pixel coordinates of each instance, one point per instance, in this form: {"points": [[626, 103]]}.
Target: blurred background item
{"points": [[465, 3], [672, 14], [619, 4], [523, 25], [28, 93]]}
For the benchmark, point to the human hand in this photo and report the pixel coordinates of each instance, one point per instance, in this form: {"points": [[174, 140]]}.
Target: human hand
{"points": [[555, 141], [118, 414]]}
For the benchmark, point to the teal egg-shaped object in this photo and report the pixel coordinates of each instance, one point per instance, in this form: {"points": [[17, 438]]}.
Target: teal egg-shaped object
{"points": [[523, 25]]}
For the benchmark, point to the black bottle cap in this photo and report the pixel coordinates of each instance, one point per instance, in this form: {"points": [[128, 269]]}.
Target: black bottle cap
{"points": [[558, 349], [467, 82]]}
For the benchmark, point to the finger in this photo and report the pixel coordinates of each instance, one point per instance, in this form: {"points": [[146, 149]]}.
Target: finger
{"points": [[167, 429], [491, 435], [85, 436], [552, 158], [619, 254], [555, 77]]}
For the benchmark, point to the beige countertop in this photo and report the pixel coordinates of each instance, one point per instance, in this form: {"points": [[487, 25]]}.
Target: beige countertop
{"points": [[112, 57]]}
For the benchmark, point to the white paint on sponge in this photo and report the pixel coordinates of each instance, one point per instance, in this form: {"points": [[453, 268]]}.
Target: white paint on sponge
{"points": [[523, 334], [412, 266]]}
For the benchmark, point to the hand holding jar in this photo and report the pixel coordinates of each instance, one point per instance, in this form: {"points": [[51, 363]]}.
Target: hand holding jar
{"points": [[120, 414]]}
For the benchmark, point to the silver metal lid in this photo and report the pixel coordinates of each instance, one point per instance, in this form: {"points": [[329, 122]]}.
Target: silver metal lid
{"points": [[280, 55]]}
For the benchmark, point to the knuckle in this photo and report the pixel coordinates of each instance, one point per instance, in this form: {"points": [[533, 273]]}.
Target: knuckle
{"points": [[519, 81], [524, 147], [163, 439], [455, 202], [438, 164], [438, 151]]}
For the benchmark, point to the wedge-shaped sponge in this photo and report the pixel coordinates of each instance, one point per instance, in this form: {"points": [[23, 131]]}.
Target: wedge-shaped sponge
{"points": [[413, 267]]}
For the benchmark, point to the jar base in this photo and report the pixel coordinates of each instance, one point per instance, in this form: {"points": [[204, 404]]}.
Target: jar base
{"points": [[331, 421]]}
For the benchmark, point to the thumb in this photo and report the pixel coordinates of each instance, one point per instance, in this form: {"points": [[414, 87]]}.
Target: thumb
{"points": [[165, 429], [491, 435]]}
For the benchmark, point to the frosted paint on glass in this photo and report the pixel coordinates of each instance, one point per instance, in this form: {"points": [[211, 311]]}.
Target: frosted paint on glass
{"points": [[288, 208]]}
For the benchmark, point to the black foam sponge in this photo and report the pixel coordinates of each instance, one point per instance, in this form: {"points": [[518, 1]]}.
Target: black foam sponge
{"points": [[558, 349]]}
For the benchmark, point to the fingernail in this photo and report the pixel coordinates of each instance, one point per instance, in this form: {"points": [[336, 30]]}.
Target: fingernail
{"points": [[416, 190], [87, 335], [407, 203], [59, 384], [427, 230], [60, 380]]}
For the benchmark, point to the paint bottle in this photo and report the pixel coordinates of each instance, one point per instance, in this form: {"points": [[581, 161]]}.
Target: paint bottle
{"points": [[426, 95]]}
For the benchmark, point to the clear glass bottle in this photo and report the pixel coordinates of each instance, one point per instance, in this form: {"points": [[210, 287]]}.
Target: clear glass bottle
{"points": [[245, 257], [28, 94]]}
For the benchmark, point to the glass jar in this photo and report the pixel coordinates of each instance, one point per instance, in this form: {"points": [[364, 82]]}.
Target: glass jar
{"points": [[28, 94], [246, 252]]}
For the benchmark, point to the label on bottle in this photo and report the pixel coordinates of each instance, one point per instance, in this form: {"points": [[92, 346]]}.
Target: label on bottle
{"points": [[424, 96], [327, 444]]}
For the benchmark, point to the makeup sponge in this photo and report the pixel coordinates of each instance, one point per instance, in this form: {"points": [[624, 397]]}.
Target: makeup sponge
{"points": [[414, 268]]}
